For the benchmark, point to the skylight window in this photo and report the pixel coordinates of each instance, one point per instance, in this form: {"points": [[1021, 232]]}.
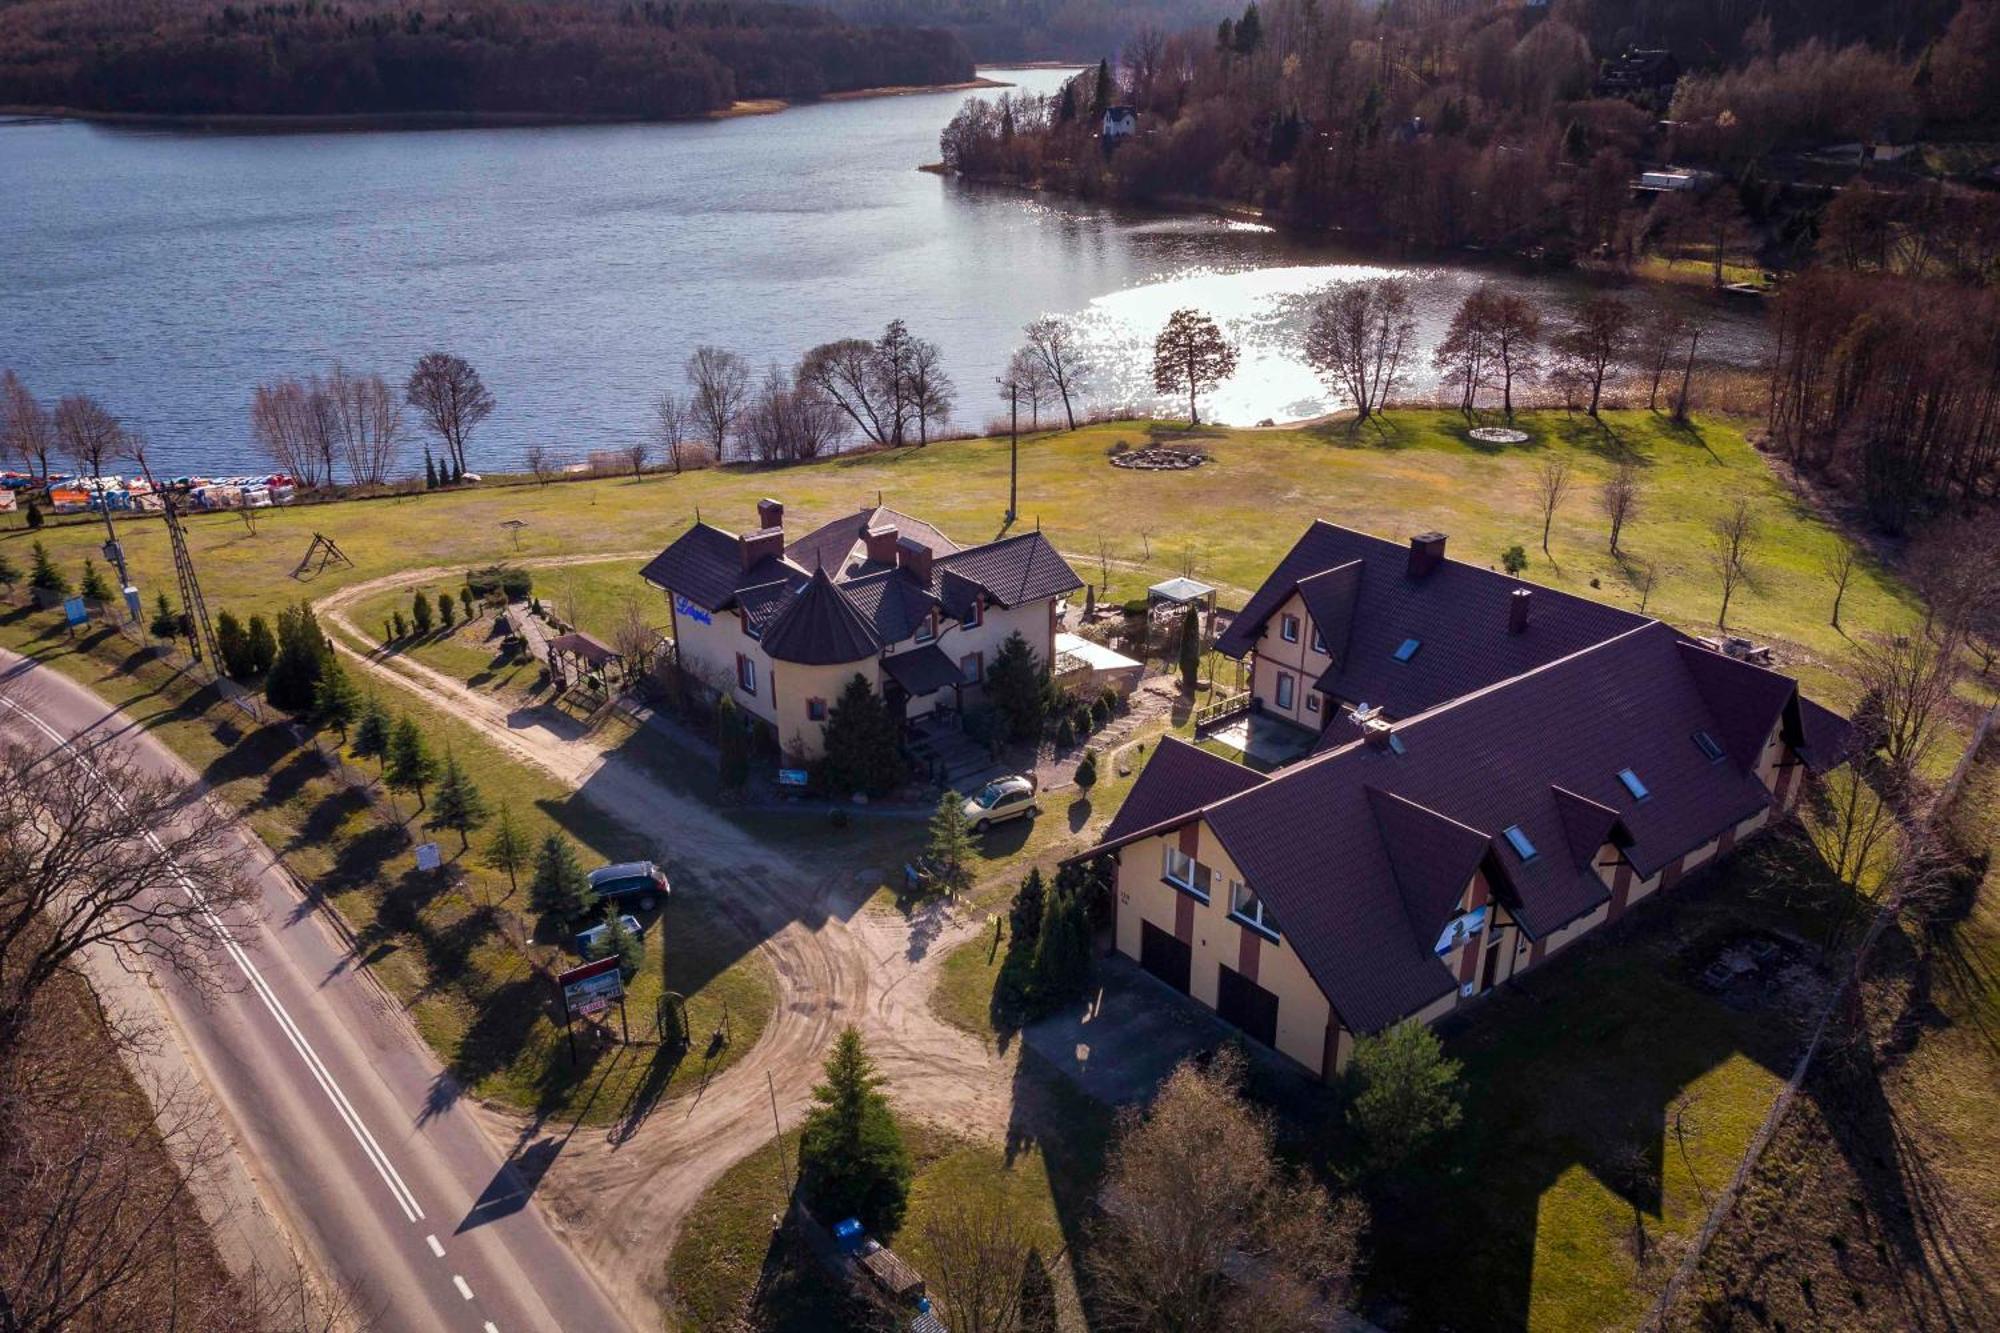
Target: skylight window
{"points": [[1409, 649], [1708, 745], [1633, 785], [1519, 842]]}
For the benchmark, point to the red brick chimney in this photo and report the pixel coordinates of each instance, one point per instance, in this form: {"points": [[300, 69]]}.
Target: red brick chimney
{"points": [[755, 546], [1426, 553], [915, 557], [881, 541], [770, 513], [1517, 609]]}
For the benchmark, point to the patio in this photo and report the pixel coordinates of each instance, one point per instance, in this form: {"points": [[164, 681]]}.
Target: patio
{"points": [[1263, 742]]}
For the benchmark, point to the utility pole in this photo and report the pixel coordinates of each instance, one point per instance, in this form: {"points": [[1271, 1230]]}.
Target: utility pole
{"points": [[201, 634], [1013, 449], [112, 550]]}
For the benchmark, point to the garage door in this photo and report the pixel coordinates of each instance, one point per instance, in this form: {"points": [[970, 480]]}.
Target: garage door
{"points": [[1249, 1006], [1165, 957]]}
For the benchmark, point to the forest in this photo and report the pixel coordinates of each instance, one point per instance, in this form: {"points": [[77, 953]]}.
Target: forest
{"points": [[654, 60], [1005, 30]]}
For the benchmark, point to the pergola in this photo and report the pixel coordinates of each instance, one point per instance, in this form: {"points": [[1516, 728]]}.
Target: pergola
{"points": [[574, 655]]}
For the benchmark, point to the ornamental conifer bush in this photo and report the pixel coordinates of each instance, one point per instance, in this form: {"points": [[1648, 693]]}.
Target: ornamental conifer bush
{"points": [[619, 942], [299, 662], [852, 1161], [410, 765], [459, 805], [94, 587], [43, 575], [950, 850], [1024, 914], [863, 751], [560, 889], [336, 699], [1017, 685], [420, 612], [732, 744], [509, 849], [260, 646], [371, 730]]}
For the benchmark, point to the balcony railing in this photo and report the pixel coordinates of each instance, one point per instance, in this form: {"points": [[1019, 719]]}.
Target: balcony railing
{"points": [[1220, 709]]}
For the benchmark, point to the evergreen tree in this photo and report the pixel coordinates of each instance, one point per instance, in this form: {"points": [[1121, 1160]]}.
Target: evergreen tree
{"points": [[560, 888], [397, 624], [447, 609], [509, 849], [233, 646], [1249, 31], [35, 519], [1024, 914], [410, 765], [43, 574], [1101, 97], [863, 752], [1403, 1093], [460, 806], [430, 472], [1062, 950], [1066, 108], [1514, 559], [10, 573], [1190, 648], [1086, 772], [732, 741], [166, 625], [950, 849], [466, 597], [619, 942], [260, 646], [852, 1162], [420, 612], [1018, 687], [371, 731], [94, 587], [388, 631], [300, 662], [336, 698]]}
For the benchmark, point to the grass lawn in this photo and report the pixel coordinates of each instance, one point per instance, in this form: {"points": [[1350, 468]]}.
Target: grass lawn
{"points": [[452, 952]]}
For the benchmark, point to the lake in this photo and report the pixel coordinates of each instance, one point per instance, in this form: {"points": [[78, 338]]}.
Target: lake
{"points": [[168, 271]]}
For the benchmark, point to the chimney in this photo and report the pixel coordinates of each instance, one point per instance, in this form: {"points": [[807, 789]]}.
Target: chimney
{"points": [[1376, 731], [915, 557], [881, 540], [1426, 553], [755, 546], [1517, 609], [770, 513]]}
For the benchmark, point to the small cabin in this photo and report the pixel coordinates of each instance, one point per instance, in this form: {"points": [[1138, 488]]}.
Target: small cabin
{"points": [[1120, 122]]}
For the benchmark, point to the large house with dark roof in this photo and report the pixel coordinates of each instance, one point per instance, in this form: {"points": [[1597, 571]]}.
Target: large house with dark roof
{"points": [[782, 627], [1501, 769]]}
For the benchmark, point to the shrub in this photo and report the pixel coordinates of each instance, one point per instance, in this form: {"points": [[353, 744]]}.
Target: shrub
{"points": [[420, 611], [1514, 559], [511, 582], [1086, 772], [447, 609], [398, 625], [260, 645], [732, 743], [1024, 914], [619, 942], [1066, 731], [44, 575], [94, 587]]}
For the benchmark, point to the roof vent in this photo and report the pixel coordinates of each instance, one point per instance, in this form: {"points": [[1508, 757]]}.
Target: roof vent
{"points": [[1517, 609], [1426, 553]]}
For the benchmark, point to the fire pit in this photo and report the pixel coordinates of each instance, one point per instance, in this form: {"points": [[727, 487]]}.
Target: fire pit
{"points": [[1498, 435], [1159, 458]]}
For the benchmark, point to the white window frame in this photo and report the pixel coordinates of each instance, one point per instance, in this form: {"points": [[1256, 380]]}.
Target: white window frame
{"points": [[1195, 877], [1286, 691], [1319, 642], [746, 673], [926, 632], [1288, 627], [1312, 701], [975, 615], [1255, 920]]}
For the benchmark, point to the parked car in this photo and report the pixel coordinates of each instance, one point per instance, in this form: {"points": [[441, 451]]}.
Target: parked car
{"points": [[640, 881], [1001, 800], [588, 940]]}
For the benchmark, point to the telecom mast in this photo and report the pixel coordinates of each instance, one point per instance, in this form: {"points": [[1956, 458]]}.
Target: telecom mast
{"points": [[201, 634]]}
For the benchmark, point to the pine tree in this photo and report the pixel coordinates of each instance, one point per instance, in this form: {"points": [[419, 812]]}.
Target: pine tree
{"points": [[300, 662], [460, 806], [232, 645], [430, 472], [1018, 688], [619, 942], [950, 850], [447, 609], [1062, 950], [260, 646], [1190, 648], [35, 519], [371, 731], [732, 742], [509, 849], [410, 765], [44, 575], [560, 889], [1024, 914], [1100, 98], [852, 1162], [398, 625], [166, 625], [94, 588], [466, 597], [862, 749], [420, 612], [336, 698]]}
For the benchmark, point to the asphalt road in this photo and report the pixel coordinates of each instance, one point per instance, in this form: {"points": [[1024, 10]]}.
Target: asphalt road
{"points": [[344, 1118]]}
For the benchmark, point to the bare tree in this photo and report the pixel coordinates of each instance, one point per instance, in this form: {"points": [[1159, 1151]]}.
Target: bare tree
{"points": [[89, 434], [451, 399], [1838, 566], [847, 372], [638, 453], [1516, 333], [1027, 380], [1553, 483], [1191, 356], [1597, 341], [541, 463], [632, 637], [26, 430], [1356, 340], [366, 423], [1659, 339], [1464, 356], [929, 389], [1054, 344], [719, 382], [1732, 537], [1906, 684], [672, 417], [1956, 563], [1199, 1240], [977, 1250], [101, 853], [293, 424], [1620, 498], [1684, 399]]}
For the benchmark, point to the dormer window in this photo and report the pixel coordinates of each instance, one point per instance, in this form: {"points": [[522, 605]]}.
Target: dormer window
{"points": [[1319, 642], [1518, 840], [1708, 745], [1633, 785], [1288, 628], [927, 630], [974, 614], [1408, 649]]}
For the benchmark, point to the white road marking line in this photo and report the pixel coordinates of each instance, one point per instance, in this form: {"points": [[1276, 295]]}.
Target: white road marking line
{"points": [[323, 1076], [436, 1248], [464, 1289]]}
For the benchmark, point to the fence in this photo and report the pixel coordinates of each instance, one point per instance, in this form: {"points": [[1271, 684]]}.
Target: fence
{"points": [[1216, 711]]}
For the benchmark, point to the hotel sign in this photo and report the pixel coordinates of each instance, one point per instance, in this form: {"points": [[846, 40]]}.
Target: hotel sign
{"points": [[683, 606]]}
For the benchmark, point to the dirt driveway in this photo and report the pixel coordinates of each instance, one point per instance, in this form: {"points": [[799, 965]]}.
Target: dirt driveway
{"points": [[623, 1199]]}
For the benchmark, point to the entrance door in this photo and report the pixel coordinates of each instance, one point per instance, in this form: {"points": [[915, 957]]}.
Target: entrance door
{"points": [[1491, 972], [1165, 957], [1249, 1006]]}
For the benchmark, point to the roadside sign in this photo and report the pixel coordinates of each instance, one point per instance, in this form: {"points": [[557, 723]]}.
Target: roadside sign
{"points": [[597, 984], [428, 856], [793, 777], [74, 612]]}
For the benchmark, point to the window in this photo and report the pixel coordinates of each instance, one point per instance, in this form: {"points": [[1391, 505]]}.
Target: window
{"points": [[1409, 649], [974, 614], [971, 668], [1319, 641], [926, 631], [1519, 842], [751, 627], [1285, 689], [1248, 908], [1708, 745], [1312, 701], [1633, 785], [815, 710], [1288, 628], [1180, 868], [746, 674]]}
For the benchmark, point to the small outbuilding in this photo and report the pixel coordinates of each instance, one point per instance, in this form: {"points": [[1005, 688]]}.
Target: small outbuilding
{"points": [[1120, 122]]}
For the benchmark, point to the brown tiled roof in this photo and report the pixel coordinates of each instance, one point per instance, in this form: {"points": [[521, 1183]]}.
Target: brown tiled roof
{"points": [[840, 549], [1432, 857], [1329, 597], [893, 601], [820, 627], [582, 645], [1178, 780], [1457, 613], [1745, 700], [1013, 570], [1826, 739], [704, 566], [922, 670]]}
